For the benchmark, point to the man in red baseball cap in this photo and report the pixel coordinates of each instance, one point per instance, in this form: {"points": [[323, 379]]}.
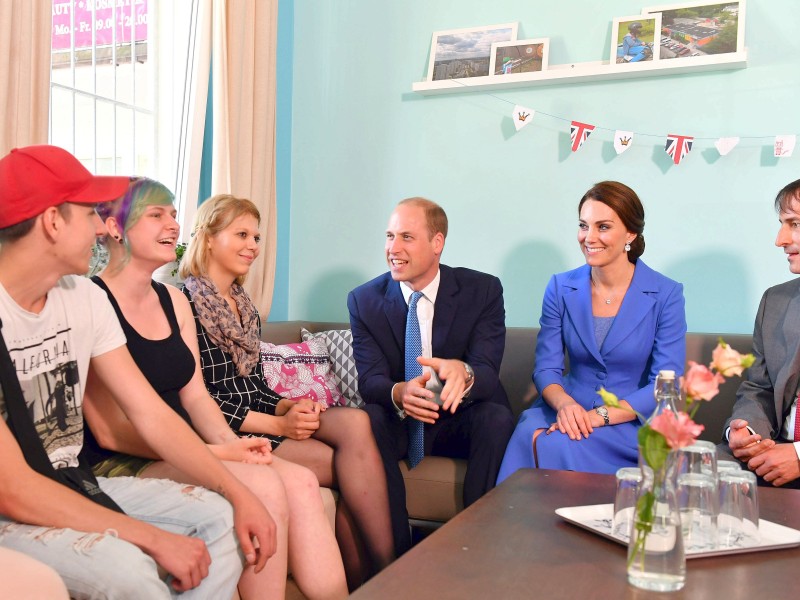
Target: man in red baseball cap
{"points": [[55, 324]]}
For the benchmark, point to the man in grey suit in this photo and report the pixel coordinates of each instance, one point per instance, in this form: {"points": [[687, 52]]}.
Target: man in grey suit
{"points": [[763, 430]]}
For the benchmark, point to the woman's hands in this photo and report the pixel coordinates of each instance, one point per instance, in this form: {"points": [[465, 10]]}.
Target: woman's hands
{"points": [[571, 418], [301, 419]]}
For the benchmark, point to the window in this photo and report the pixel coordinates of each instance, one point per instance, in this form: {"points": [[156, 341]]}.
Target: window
{"points": [[129, 81], [102, 101]]}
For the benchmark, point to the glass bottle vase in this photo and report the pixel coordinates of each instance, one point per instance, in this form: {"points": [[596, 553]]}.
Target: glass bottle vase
{"points": [[656, 559], [667, 394]]}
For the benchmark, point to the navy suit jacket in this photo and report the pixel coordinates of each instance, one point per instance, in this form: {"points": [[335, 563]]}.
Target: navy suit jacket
{"points": [[468, 325], [648, 334]]}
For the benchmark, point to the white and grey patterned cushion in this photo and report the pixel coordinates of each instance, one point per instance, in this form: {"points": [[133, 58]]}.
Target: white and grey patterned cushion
{"points": [[340, 349]]}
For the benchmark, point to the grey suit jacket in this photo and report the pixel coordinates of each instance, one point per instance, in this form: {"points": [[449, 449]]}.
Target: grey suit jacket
{"points": [[765, 397]]}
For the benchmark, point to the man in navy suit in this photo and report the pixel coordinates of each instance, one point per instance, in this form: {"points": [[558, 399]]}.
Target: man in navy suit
{"points": [[458, 397]]}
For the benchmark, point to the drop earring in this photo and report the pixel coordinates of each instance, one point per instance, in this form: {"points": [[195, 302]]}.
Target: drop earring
{"points": [[628, 247]]}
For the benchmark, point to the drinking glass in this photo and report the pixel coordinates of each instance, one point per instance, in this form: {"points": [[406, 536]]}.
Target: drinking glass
{"points": [[728, 465], [737, 523], [697, 503], [700, 457], [435, 385], [628, 482]]}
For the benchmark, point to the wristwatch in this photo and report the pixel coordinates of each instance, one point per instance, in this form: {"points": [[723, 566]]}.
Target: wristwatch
{"points": [[470, 374], [603, 412]]}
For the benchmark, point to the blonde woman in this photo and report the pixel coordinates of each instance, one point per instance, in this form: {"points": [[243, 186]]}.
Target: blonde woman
{"points": [[159, 327], [336, 444]]}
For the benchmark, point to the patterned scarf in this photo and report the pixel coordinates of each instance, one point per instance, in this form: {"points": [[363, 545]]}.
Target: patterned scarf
{"points": [[240, 340]]}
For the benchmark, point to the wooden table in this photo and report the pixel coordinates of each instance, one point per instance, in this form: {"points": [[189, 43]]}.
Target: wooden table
{"points": [[511, 544]]}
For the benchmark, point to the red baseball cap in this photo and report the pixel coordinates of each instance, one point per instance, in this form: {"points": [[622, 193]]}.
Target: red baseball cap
{"points": [[35, 178]]}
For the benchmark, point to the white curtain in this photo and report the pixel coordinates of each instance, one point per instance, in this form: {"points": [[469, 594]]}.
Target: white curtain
{"points": [[238, 39], [244, 34]]}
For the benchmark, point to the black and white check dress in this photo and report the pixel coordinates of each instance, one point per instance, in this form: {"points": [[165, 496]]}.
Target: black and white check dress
{"points": [[235, 394]]}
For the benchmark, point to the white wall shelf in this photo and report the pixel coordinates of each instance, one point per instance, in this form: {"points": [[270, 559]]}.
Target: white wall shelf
{"points": [[582, 72]]}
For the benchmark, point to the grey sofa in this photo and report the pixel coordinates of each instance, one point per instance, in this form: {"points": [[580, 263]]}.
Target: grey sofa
{"points": [[434, 488]]}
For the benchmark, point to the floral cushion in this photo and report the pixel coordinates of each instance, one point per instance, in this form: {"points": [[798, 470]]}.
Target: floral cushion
{"points": [[340, 347], [300, 371]]}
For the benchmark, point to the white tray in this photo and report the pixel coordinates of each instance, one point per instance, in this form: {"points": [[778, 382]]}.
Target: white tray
{"points": [[597, 519]]}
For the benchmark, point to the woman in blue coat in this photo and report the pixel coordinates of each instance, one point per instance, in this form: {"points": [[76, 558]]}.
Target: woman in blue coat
{"points": [[619, 323]]}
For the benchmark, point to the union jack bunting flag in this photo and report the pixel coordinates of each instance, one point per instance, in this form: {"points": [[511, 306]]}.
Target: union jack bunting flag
{"points": [[579, 132], [678, 146]]}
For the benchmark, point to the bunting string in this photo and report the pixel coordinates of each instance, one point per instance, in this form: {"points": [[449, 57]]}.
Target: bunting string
{"points": [[677, 146]]}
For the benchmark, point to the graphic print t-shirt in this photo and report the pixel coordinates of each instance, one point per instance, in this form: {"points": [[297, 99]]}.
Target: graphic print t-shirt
{"points": [[51, 352]]}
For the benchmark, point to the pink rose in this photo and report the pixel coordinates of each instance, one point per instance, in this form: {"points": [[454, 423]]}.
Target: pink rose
{"points": [[679, 432], [700, 383], [726, 360]]}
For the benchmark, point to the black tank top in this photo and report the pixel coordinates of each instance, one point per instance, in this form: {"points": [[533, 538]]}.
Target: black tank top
{"points": [[167, 364]]}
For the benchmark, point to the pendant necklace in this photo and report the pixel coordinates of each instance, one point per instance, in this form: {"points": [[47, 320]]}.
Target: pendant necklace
{"points": [[607, 299]]}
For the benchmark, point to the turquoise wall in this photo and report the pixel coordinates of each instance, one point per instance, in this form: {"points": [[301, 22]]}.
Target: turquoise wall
{"points": [[283, 160], [360, 140]]}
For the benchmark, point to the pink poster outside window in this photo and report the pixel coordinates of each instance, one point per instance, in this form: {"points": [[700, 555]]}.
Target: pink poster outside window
{"points": [[129, 13]]}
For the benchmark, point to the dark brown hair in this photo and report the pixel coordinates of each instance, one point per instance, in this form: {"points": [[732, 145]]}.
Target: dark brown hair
{"points": [[623, 201], [787, 195], [12, 233]]}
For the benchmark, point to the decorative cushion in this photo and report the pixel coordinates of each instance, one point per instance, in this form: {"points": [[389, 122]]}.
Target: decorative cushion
{"points": [[340, 347], [300, 370]]}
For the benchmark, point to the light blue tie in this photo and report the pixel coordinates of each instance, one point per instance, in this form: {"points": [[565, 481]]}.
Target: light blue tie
{"points": [[416, 429]]}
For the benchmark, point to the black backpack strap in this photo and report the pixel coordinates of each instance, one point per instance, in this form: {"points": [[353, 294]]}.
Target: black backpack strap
{"points": [[21, 425]]}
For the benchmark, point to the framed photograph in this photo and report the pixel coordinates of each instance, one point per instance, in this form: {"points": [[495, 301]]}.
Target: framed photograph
{"points": [[461, 53], [521, 56], [635, 39], [700, 28]]}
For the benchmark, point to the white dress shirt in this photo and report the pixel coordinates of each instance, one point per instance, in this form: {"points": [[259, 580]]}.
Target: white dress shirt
{"points": [[425, 307], [787, 432], [425, 317]]}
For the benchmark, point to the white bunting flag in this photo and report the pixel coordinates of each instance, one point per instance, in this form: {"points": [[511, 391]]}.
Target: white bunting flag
{"points": [[784, 145], [726, 144], [522, 116], [622, 140]]}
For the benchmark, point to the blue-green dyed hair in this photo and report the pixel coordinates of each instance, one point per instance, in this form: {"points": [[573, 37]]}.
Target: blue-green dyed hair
{"points": [[128, 209]]}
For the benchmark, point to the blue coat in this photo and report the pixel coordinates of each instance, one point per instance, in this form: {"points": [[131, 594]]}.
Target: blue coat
{"points": [[648, 335]]}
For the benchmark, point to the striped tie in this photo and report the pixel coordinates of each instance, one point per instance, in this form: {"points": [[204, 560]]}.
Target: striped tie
{"points": [[416, 429]]}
